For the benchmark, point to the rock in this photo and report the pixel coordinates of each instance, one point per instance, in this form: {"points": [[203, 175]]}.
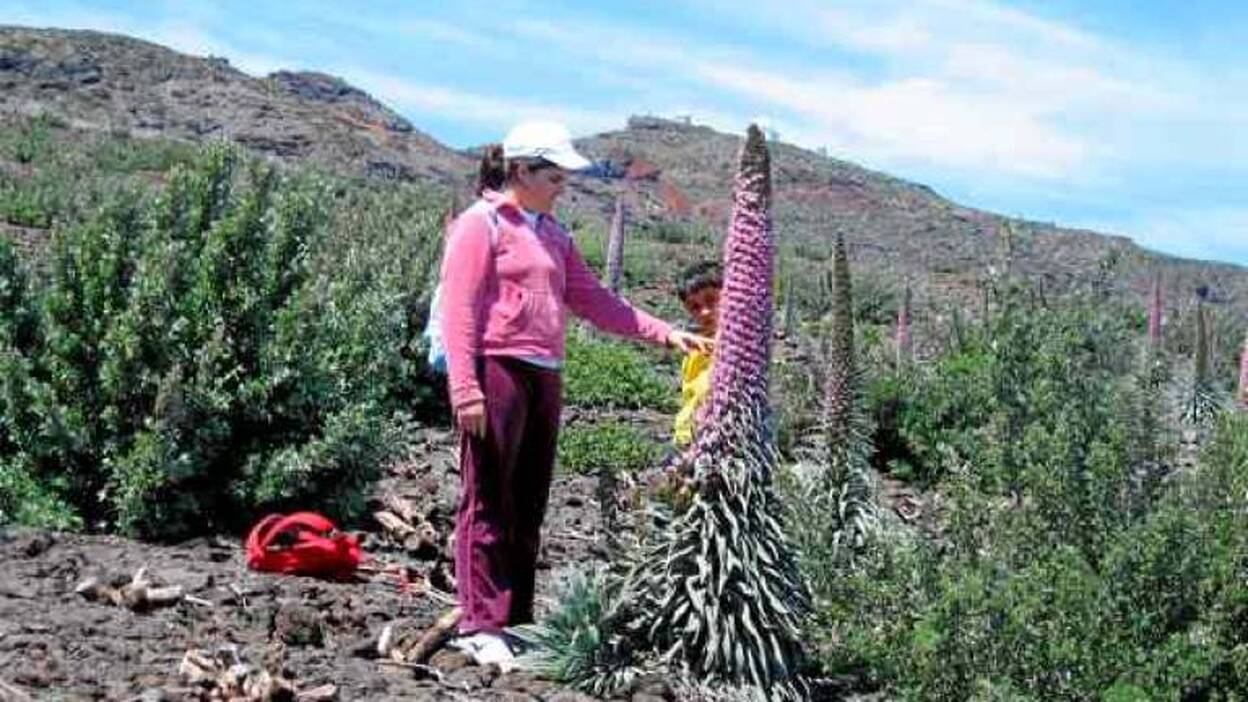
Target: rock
{"points": [[35, 544], [570, 696], [474, 677], [155, 694], [526, 683], [652, 688], [513, 696], [448, 660], [298, 625]]}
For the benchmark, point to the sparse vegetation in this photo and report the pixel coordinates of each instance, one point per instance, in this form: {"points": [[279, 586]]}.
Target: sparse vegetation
{"points": [[611, 446], [607, 373], [201, 337]]}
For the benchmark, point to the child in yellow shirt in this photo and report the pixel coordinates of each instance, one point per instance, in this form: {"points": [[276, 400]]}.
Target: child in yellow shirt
{"points": [[698, 289]]}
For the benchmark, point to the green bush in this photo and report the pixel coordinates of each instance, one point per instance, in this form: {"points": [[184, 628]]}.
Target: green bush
{"points": [[1060, 573], [27, 204], [28, 142], [680, 232], [245, 341], [126, 155], [588, 449], [607, 373]]}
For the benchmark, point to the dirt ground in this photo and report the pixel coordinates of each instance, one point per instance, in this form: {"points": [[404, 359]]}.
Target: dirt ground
{"points": [[56, 644]]}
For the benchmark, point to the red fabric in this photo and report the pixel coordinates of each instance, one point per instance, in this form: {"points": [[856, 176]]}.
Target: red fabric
{"points": [[316, 548]]}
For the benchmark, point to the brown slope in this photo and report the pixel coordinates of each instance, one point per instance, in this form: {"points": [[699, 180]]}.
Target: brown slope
{"points": [[665, 169], [896, 227], [119, 84]]}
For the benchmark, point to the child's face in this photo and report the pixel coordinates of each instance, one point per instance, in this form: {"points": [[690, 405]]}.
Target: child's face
{"points": [[703, 306]]}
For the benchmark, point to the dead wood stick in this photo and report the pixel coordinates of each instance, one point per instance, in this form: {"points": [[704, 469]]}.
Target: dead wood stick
{"points": [[323, 693], [448, 600], [13, 693], [434, 636], [394, 524], [422, 667], [402, 507]]}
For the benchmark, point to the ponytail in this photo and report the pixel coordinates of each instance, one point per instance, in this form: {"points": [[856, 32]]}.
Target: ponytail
{"points": [[493, 173]]}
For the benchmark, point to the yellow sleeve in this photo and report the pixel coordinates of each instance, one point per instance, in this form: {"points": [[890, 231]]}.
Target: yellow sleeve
{"points": [[695, 385]]}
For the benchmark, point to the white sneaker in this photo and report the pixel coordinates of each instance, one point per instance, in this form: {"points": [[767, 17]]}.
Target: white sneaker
{"points": [[486, 648]]}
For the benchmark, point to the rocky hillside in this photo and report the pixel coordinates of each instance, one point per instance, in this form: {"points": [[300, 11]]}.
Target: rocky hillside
{"points": [[666, 170], [672, 168], [107, 82]]}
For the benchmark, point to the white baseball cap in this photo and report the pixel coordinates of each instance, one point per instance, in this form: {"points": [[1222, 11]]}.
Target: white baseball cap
{"points": [[545, 140]]}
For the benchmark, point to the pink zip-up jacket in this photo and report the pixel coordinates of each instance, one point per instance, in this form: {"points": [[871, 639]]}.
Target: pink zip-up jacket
{"points": [[511, 297]]}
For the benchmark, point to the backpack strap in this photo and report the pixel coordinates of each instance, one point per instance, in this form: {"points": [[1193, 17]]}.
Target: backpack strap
{"points": [[491, 219]]}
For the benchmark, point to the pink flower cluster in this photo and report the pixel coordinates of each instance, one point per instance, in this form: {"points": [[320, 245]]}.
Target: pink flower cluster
{"points": [[743, 342]]}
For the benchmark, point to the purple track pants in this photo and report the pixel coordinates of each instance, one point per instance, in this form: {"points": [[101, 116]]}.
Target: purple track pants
{"points": [[504, 485]]}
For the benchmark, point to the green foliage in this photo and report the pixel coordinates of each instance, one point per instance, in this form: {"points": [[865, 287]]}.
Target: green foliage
{"points": [[574, 644], [924, 415], [612, 374], [1065, 570], [29, 141], [646, 261], [680, 232], [244, 341], [126, 155], [30, 202], [588, 449]]}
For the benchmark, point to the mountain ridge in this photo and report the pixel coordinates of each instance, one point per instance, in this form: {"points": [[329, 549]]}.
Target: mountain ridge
{"points": [[665, 170]]}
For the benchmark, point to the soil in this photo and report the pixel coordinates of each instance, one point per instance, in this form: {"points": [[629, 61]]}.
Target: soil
{"points": [[56, 644]]}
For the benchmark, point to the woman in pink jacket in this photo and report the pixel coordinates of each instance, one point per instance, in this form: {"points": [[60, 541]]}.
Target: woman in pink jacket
{"points": [[510, 275]]}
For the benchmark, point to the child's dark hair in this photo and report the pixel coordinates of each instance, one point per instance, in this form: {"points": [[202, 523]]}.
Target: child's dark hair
{"points": [[493, 172], [699, 276]]}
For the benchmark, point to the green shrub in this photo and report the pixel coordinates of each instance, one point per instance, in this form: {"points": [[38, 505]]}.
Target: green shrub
{"points": [[1060, 574], [680, 232], [245, 341], [30, 140], [607, 373], [590, 448], [126, 155], [925, 415], [27, 204]]}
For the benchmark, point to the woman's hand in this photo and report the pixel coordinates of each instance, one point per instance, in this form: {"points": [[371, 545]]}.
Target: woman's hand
{"points": [[690, 342], [471, 418]]}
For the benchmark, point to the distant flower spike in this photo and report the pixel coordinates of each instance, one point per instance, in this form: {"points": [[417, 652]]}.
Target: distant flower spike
{"points": [[836, 514], [1243, 376], [1204, 402], [790, 309], [842, 367], [905, 348], [1202, 345], [615, 248], [1154, 313]]}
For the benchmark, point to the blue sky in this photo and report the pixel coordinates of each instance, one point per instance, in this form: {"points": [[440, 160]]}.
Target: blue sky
{"points": [[1123, 117]]}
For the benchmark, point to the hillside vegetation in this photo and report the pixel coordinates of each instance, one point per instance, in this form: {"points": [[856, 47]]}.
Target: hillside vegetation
{"points": [[1053, 504]]}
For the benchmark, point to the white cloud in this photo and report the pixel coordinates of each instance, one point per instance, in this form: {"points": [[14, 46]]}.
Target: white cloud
{"points": [[474, 107], [911, 120]]}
